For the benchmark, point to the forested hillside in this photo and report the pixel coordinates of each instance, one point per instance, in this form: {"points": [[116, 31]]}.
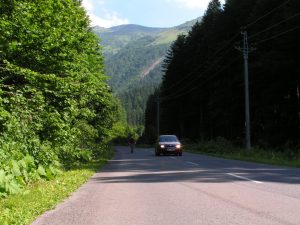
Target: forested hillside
{"points": [[133, 59], [202, 94], [126, 67], [56, 108]]}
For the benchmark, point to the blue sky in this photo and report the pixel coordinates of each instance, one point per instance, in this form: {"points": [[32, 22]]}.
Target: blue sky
{"points": [[153, 13]]}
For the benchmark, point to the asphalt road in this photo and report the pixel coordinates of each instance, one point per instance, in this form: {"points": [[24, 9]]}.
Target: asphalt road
{"points": [[141, 189]]}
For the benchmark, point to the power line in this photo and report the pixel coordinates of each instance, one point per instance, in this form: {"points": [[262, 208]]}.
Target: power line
{"points": [[178, 94], [170, 97], [278, 35], [196, 87], [191, 82], [202, 65], [275, 25], [228, 43], [265, 15], [203, 72]]}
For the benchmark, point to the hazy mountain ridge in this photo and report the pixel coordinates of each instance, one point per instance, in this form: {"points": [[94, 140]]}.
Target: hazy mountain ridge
{"points": [[116, 38]]}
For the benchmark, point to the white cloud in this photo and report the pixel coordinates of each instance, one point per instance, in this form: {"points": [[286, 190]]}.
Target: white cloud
{"points": [[194, 4], [201, 4], [110, 19], [107, 18], [88, 5]]}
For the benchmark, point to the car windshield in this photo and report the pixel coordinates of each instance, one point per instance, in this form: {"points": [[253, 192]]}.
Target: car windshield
{"points": [[170, 138]]}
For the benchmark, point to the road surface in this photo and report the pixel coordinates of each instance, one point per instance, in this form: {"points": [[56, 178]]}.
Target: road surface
{"points": [[141, 189]]}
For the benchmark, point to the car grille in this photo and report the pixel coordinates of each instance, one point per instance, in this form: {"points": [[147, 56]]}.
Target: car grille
{"points": [[170, 146]]}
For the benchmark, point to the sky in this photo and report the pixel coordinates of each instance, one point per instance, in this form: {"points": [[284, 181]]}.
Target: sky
{"points": [[151, 13]]}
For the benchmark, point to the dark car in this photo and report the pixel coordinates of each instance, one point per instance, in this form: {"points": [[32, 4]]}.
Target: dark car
{"points": [[168, 144]]}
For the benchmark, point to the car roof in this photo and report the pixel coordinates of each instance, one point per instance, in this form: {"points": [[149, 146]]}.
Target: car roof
{"points": [[167, 135], [168, 138]]}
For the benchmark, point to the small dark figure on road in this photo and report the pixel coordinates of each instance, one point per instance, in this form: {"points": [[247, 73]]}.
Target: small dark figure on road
{"points": [[131, 143]]}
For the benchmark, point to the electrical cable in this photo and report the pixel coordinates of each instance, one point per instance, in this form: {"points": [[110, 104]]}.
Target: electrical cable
{"points": [[170, 97], [198, 67], [278, 35], [194, 88], [196, 78], [247, 26], [275, 25], [263, 16]]}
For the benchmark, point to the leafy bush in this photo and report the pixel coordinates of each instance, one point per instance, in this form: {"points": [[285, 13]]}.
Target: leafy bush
{"points": [[55, 104], [14, 174]]}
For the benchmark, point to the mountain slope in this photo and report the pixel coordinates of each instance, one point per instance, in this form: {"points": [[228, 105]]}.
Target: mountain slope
{"points": [[133, 59], [126, 67], [116, 38]]}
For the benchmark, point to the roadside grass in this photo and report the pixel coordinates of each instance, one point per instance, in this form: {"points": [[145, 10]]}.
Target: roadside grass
{"points": [[225, 150], [44, 195]]}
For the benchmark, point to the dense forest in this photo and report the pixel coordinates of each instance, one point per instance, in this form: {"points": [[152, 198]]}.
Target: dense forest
{"points": [[135, 98], [126, 67], [130, 81], [202, 92], [56, 108], [133, 62]]}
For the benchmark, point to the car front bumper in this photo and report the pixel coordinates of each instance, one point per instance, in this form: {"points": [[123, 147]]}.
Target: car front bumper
{"points": [[169, 151]]}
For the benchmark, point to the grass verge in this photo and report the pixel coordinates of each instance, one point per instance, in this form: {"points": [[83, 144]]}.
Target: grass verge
{"points": [[219, 149], [44, 195]]}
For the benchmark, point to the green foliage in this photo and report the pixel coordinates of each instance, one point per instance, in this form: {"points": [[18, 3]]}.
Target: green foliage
{"points": [[126, 67], [14, 174], [150, 134], [225, 149], [55, 105], [202, 93], [133, 63], [43, 195], [8, 184]]}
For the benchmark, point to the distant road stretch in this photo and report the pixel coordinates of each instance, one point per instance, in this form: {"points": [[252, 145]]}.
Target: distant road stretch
{"points": [[142, 189]]}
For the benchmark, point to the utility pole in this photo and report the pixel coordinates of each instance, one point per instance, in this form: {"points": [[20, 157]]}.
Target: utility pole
{"points": [[157, 116], [245, 50]]}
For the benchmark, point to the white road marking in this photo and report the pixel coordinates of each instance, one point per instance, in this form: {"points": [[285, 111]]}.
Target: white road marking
{"points": [[244, 178], [195, 164], [172, 157]]}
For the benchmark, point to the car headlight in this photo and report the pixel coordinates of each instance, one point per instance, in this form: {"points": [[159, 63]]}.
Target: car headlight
{"points": [[162, 146], [178, 146]]}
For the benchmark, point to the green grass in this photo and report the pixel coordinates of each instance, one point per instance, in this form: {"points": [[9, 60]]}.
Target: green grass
{"points": [[224, 150], [44, 195], [167, 37]]}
